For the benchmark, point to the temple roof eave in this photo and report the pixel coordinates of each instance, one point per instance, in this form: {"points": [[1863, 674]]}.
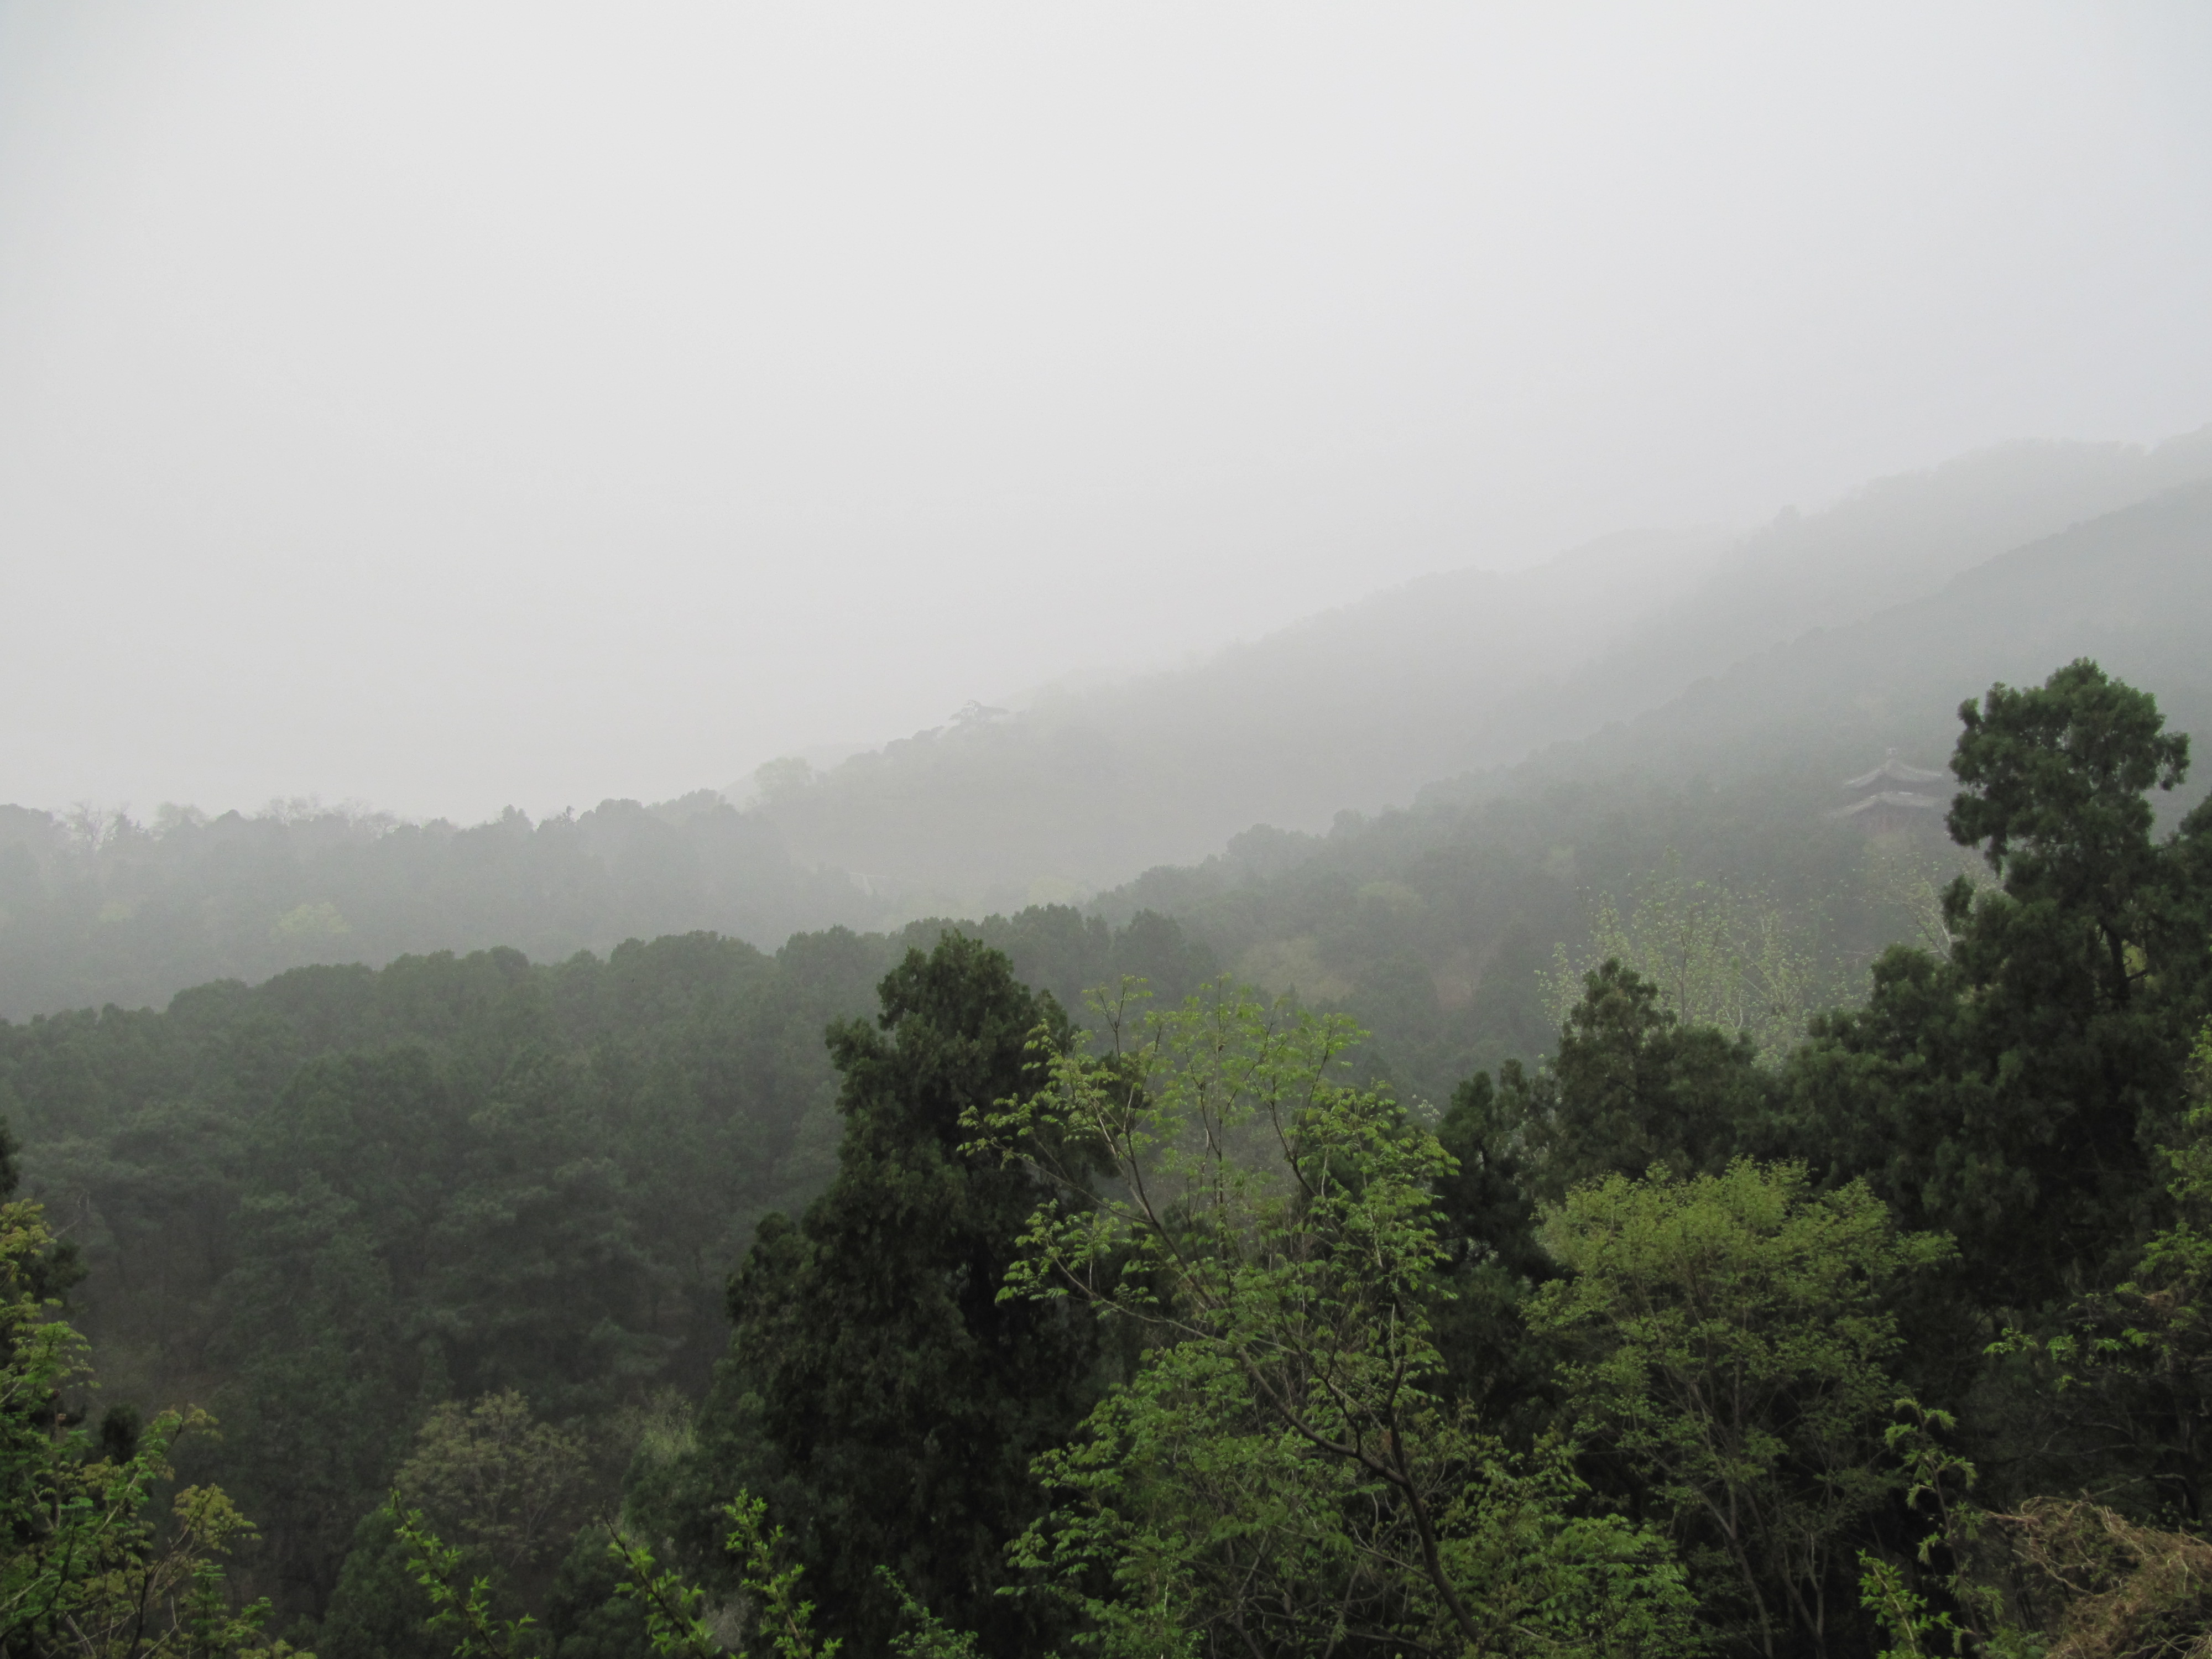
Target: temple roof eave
{"points": [[1899, 799], [1894, 770]]}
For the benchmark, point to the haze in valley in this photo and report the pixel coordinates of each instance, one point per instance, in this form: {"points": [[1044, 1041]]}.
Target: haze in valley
{"points": [[453, 409]]}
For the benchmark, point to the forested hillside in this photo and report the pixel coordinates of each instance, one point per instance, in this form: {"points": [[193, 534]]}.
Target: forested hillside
{"points": [[1710, 815], [1105, 832], [1803, 651], [1361, 708], [1170, 1323], [317, 1204], [101, 908]]}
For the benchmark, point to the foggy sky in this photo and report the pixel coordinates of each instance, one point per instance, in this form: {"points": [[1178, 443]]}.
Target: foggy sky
{"points": [[452, 406]]}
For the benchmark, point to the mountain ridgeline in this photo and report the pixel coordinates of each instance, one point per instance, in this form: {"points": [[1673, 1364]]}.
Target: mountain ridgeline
{"points": [[1768, 666], [1362, 708]]}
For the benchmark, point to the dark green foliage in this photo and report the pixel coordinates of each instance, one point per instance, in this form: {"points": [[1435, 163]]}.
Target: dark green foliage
{"points": [[378, 1610], [1485, 1220], [1632, 1087], [584, 1617], [2056, 779], [354, 1209], [327, 1203], [877, 1391], [2011, 1093], [1484, 1203]]}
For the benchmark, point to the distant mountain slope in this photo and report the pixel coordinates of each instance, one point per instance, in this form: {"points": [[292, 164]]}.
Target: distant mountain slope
{"points": [[2132, 589], [100, 909], [1362, 706], [1432, 924], [996, 809], [1894, 541], [1770, 666]]}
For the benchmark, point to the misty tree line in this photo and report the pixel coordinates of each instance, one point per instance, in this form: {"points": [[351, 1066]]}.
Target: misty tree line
{"points": [[1157, 1320], [1435, 927], [97, 907]]}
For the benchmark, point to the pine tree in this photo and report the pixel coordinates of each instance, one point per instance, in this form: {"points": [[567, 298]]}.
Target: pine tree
{"points": [[878, 1391]]}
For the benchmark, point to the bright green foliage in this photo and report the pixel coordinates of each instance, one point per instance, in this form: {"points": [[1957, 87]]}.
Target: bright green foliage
{"points": [[1737, 963], [1728, 1339], [1943, 1600], [1283, 1475], [925, 1636], [681, 1619], [1260, 1372], [684, 1621], [786, 1623], [880, 1393], [89, 1569], [462, 1605]]}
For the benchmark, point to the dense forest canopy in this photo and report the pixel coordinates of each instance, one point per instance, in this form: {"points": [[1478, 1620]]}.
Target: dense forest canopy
{"points": [[1334, 1243], [1153, 1317], [319, 1203]]}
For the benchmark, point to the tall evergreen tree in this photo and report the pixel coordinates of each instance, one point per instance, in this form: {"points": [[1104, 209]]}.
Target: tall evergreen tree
{"points": [[878, 1391], [2011, 1093], [1633, 1085]]}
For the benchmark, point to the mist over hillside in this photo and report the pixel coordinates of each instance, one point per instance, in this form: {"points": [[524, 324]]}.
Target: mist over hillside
{"points": [[98, 908], [2131, 589], [1775, 663], [1361, 708], [1391, 855], [1435, 924]]}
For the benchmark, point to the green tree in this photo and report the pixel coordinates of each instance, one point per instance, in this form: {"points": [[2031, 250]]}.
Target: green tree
{"points": [[2121, 1381], [1634, 1084], [1485, 1220], [2056, 780], [379, 1608], [2012, 1093], [88, 1567], [1284, 1473], [1714, 957], [880, 1392], [497, 1481], [1727, 1337]]}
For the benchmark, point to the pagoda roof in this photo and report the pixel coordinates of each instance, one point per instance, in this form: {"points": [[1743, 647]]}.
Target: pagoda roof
{"points": [[1894, 770], [1899, 798]]}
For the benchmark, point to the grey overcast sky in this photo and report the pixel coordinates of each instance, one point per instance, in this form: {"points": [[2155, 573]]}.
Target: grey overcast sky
{"points": [[447, 405]]}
